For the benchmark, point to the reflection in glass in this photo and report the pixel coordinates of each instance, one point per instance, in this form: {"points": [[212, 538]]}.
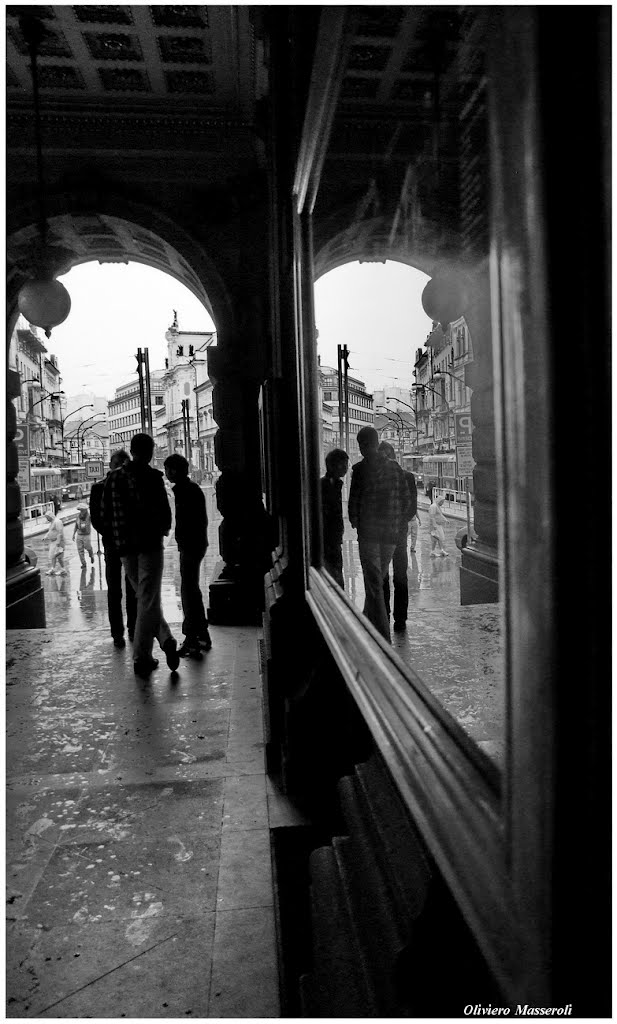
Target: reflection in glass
{"points": [[419, 204]]}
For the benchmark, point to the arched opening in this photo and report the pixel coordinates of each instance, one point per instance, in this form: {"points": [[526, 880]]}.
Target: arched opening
{"points": [[78, 396]]}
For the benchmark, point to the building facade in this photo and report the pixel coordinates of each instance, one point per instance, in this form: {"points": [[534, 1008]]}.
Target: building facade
{"points": [[124, 409], [186, 381], [360, 408]]}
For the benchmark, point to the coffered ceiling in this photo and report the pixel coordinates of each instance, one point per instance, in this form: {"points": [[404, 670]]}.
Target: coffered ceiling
{"points": [[141, 56]]}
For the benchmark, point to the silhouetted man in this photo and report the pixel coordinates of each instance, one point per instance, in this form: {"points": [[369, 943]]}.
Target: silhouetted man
{"points": [[192, 540], [136, 508], [400, 560], [379, 505], [113, 563], [337, 464]]}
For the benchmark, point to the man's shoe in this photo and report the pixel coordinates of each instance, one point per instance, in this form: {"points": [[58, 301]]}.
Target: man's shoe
{"points": [[144, 666], [170, 652], [205, 641], [119, 641], [190, 649]]}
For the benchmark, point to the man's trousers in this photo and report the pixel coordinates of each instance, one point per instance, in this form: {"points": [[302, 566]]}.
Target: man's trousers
{"points": [[145, 573]]}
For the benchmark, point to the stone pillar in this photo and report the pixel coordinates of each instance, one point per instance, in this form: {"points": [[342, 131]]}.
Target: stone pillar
{"points": [[25, 602], [237, 594], [479, 560]]}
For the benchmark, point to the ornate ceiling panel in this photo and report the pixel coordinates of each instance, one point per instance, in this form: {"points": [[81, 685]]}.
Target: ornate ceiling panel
{"points": [[144, 54]]}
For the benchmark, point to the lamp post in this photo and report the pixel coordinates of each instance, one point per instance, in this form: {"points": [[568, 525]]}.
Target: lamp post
{"points": [[414, 411], [401, 426], [81, 441], [88, 405], [48, 394]]}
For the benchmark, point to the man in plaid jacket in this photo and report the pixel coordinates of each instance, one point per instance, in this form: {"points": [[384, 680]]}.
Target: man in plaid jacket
{"points": [[379, 507], [137, 516]]}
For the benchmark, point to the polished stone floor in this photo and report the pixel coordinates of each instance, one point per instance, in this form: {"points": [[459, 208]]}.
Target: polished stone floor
{"points": [[138, 824], [458, 652]]}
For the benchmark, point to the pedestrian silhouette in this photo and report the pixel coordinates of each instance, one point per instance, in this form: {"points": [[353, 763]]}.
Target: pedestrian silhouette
{"points": [[137, 513], [337, 464], [113, 563], [191, 534], [379, 507]]}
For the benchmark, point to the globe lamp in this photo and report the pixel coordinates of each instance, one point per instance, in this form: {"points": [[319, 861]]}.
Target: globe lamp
{"points": [[44, 302]]}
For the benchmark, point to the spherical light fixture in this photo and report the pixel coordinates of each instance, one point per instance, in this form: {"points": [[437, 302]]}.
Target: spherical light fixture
{"points": [[44, 302], [446, 296]]}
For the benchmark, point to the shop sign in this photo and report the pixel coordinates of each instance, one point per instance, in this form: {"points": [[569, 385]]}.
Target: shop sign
{"points": [[464, 460], [22, 441]]}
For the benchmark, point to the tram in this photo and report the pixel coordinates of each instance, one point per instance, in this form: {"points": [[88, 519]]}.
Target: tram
{"points": [[439, 471]]}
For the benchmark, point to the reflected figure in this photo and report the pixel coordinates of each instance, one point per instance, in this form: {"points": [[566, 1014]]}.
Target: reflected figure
{"points": [[85, 594], [379, 506], [399, 558], [337, 464]]}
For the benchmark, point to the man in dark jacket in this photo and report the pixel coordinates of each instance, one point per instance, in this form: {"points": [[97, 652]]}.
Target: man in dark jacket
{"points": [[379, 506], [400, 559], [192, 541], [113, 565], [337, 464], [137, 515]]}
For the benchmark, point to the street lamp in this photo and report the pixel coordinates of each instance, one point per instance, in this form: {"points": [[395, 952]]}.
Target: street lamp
{"points": [[48, 394], [88, 405], [79, 428], [401, 426]]}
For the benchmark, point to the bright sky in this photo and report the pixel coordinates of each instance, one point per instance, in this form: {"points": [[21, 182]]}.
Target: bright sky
{"points": [[117, 308], [375, 309]]}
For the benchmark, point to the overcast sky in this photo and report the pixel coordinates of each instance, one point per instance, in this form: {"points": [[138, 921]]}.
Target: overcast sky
{"points": [[116, 308]]}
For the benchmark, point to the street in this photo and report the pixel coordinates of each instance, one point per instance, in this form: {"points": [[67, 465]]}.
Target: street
{"points": [[457, 651]]}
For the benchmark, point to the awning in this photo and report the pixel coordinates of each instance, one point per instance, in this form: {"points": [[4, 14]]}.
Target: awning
{"points": [[45, 471], [439, 456]]}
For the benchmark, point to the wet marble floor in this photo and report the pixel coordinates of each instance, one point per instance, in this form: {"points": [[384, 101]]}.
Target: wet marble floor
{"points": [[138, 817]]}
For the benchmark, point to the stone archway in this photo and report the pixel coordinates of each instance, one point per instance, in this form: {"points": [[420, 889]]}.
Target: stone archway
{"points": [[88, 225]]}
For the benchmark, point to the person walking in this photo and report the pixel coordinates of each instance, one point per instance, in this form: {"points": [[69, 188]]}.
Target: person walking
{"points": [[400, 561], [55, 539], [113, 563], [379, 507], [414, 524], [437, 521], [337, 464], [82, 534], [138, 515], [192, 539]]}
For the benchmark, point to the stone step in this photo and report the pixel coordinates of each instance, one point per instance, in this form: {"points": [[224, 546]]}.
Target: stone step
{"points": [[337, 985]]}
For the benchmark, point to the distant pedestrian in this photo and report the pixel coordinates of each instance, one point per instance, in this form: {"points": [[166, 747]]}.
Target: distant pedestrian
{"points": [[192, 539], [55, 539], [379, 507], [82, 534], [400, 561], [113, 563], [414, 525], [57, 503], [437, 521], [138, 514], [337, 464]]}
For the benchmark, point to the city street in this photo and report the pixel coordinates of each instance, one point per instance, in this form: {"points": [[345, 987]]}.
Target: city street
{"points": [[457, 651]]}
